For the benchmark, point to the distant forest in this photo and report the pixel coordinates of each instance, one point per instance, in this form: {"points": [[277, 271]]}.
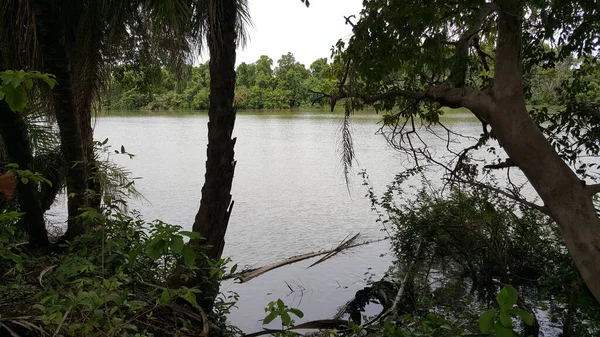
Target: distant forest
{"points": [[284, 85]]}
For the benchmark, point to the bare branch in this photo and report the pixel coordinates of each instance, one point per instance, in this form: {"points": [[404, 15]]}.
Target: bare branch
{"points": [[511, 196], [505, 164]]}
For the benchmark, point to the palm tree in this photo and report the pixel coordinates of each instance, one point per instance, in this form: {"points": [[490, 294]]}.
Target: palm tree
{"points": [[51, 36], [224, 25], [78, 41]]}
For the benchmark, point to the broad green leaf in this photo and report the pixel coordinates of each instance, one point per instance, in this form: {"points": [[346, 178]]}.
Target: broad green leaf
{"points": [[297, 312], [165, 296], [486, 321], [154, 250], [16, 98], [505, 319], [525, 316], [1, 93], [507, 297], [270, 317], [502, 331], [285, 318], [280, 304], [176, 244], [189, 256]]}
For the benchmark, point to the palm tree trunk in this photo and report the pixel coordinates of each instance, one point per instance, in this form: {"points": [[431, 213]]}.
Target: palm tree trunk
{"points": [[215, 206], [56, 61], [86, 60], [13, 131]]}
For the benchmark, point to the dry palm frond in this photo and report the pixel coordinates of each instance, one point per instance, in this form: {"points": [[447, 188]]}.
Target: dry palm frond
{"points": [[347, 145]]}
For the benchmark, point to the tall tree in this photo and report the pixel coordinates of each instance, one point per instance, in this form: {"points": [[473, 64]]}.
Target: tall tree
{"points": [[56, 60], [15, 53], [422, 57], [215, 206]]}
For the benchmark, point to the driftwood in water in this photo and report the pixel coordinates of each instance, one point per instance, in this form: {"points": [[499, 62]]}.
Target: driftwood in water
{"points": [[249, 274], [318, 324]]}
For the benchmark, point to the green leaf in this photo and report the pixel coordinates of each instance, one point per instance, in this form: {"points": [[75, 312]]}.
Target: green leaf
{"points": [[296, 312], [505, 319], [507, 298], [270, 317], [233, 269], [165, 296], [134, 305], [502, 331], [285, 318], [189, 256], [280, 304], [16, 98], [1, 93], [191, 235], [486, 321], [24, 180], [525, 316], [176, 244], [155, 249]]}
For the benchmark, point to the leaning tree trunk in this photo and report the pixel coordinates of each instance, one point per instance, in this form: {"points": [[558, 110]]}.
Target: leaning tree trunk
{"points": [[568, 200], [56, 61], [215, 206], [13, 131]]}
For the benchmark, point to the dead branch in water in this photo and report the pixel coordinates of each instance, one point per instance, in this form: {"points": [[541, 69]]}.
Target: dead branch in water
{"points": [[249, 274]]}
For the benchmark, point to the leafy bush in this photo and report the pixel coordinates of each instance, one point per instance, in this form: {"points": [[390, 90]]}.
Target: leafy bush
{"points": [[119, 279]]}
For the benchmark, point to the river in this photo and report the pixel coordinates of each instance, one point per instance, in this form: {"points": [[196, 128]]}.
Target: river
{"points": [[289, 191]]}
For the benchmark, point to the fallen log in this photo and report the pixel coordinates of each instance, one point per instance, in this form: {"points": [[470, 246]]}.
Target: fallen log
{"points": [[249, 274]]}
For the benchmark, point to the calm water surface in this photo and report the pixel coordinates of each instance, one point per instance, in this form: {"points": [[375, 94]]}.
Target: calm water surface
{"points": [[289, 191]]}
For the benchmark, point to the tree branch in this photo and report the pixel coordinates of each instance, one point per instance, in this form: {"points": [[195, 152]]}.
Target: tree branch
{"points": [[457, 77], [593, 189], [511, 196], [502, 165]]}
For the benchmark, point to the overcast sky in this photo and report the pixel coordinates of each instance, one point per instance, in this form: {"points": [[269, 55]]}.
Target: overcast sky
{"points": [[282, 26]]}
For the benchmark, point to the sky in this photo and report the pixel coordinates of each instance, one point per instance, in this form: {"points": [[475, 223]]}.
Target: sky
{"points": [[282, 26]]}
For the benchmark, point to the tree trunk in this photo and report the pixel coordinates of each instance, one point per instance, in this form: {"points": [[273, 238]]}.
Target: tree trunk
{"points": [[13, 131], [86, 60], [215, 206], [566, 197], [56, 61]]}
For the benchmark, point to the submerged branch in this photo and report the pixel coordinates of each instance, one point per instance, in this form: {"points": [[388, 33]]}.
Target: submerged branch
{"points": [[249, 274]]}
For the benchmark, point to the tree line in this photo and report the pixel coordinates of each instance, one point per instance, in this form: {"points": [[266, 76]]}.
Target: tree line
{"points": [[288, 84], [259, 85]]}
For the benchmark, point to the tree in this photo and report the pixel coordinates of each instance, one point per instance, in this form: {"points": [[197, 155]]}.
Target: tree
{"points": [[78, 41], [56, 61], [290, 76], [223, 21], [426, 57]]}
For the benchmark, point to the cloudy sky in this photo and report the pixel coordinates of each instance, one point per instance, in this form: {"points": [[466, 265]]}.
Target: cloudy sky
{"points": [[282, 26]]}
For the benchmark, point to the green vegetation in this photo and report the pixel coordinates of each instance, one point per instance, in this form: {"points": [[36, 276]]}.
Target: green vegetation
{"points": [[289, 84], [258, 86]]}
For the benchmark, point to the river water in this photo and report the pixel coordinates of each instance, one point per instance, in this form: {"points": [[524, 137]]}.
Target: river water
{"points": [[289, 191]]}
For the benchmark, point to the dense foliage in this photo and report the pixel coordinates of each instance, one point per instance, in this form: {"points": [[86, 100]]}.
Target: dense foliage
{"points": [[115, 280], [456, 250], [260, 85]]}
